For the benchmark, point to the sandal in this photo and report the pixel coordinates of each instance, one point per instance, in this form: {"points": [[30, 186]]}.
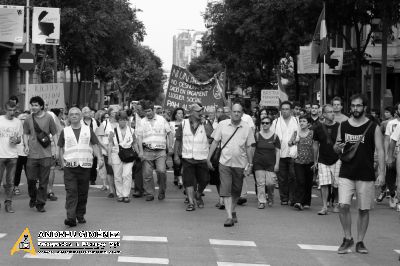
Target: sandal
{"points": [[261, 205], [190, 207], [324, 211]]}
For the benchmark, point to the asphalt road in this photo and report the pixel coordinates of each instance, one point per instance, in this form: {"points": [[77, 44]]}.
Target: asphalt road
{"points": [[163, 233]]}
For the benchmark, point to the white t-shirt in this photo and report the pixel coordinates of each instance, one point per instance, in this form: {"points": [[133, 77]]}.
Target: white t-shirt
{"points": [[9, 128], [246, 118], [391, 126]]}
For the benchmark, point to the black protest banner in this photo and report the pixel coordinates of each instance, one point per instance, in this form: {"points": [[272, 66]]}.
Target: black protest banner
{"points": [[184, 89]]}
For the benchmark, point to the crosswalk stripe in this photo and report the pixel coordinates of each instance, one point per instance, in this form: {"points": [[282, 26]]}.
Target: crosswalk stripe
{"points": [[232, 243], [251, 192], [224, 263], [96, 186], [207, 190], [314, 196], [49, 256], [143, 260], [145, 238], [59, 185], [318, 247], [2, 235], [397, 251]]}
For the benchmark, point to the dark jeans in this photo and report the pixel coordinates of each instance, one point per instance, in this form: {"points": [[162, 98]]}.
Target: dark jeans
{"points": [[304, 182], [390, 180], [138, 175], [177, 167], [286, 179], [21, 163], [38, 169], [8, 165], [76, 182], [93, 170]]}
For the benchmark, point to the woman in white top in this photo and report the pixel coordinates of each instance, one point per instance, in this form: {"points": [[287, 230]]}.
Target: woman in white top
{"points": [[123, 137], [22, 159], [177, 118]]}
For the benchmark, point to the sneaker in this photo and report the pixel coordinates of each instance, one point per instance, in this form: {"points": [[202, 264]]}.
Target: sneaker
{"points": [[51, 196], [8, 207], [345, 247], [110, 196], [137, 194], [241, 201], [335, 208], [229, 222], [360, 248], [17, 191], [393, 202], [381, 196], [149, 197], [261, 205], [398, 207], [323, 211], [306, 207], [40, 208], [298, 206], [81, 220], [70, 222], [161, 196], [32, 203]]}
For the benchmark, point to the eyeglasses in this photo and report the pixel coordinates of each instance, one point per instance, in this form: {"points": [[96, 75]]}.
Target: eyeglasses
{"points": [[265, 123], [356, 105]]}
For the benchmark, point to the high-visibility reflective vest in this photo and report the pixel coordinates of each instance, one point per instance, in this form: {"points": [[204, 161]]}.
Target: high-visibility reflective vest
{"points": [[78, 153], [154, 135], [194, 146]]}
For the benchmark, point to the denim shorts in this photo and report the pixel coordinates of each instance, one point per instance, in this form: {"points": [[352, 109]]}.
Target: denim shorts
{"points": [[364, 190]]}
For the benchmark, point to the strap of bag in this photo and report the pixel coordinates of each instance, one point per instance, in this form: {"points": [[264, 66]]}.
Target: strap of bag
{"points": [[116, 134], [328, 137], [226, 143], [36, 125]]}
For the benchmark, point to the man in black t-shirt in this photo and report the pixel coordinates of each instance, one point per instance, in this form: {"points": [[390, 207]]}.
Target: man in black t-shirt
{"points": [[325, 158], [357, 173]]}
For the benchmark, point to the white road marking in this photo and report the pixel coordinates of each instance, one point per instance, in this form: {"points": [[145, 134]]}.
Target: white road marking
{"points": [[251, 192], [224, 263], [21, 184], [232, 243], [2, 235], [207, 190], [145, 238], [318, 247], [143, 260], [314, 196], [170, 171], [397, 251], [157, 188], [59, 185], [49, 256]]}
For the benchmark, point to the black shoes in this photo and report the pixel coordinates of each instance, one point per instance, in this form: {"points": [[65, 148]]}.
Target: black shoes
{"points": [[51, 196], [345, 247], [32, 203], [149, 198], [81, 220], [241, 201], [40, 208], [110, 196], [161, 196], [8, 207], [137, 194], [299, 206], [93, 183], [360, 248], [229, 222], [70, 222]]}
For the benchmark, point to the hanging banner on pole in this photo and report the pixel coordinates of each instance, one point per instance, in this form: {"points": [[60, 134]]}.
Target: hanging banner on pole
{"points": [[269, 98], [184, 89], [51, 93], [12, 24], [46, 26]]}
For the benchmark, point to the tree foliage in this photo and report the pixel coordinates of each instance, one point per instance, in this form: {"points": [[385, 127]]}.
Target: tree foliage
{"points": [[250, 37], [205, 67]]}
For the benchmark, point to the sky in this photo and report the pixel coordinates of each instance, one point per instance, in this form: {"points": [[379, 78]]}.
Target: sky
{"points": [[164, 18]]}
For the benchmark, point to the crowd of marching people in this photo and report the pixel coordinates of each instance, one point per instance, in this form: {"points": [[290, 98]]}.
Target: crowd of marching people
{"points": [[291, 149]]}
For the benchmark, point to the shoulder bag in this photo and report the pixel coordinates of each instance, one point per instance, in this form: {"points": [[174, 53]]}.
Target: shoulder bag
{"points": [[217, 153], [127, 155], [42, 137], [348, 154]]}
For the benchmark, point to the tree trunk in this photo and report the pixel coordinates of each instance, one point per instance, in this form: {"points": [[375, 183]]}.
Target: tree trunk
{"points": [[358, 71], [71, 86], [296, 78], [79, 81]]}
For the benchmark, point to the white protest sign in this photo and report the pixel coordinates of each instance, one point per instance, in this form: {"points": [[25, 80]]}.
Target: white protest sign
{"points": [[51, 93], [12, 24], [269, 98]]}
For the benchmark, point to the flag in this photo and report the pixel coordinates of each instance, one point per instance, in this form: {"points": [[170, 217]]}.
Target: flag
{"points": [[320, 42]]}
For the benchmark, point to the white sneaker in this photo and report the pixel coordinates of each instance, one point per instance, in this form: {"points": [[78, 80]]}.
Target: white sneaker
{"points": [[398, 207], [393, 202]]}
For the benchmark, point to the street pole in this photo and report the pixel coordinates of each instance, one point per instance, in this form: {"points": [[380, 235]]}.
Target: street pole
{"points": [[385, 29], [27, 50]]}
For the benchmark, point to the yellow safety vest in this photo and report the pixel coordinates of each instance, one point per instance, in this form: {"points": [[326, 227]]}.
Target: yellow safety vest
{"points": [[78, 153], [194, 146]]}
